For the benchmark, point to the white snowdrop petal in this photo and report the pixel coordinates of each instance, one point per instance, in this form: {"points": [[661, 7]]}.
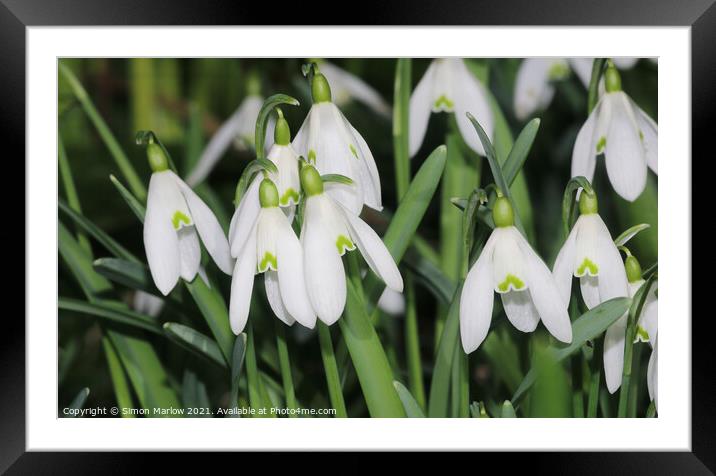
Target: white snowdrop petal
{"points": [[652, 373], [420, 108], [624, 152], [649, 318], [586, 258], [291, 276], [392, 302], [242, 284], [520, 310], [584, 154], [532, 87], [209, 229], [324, 272], [355, 88], [589, 285], [563, 269], [650, 136], [189, 252], [508, 263], [287, 180], [625, 62], [374, 251], [545, 294], [612, 276], [614, 354], [367, 171], [268, 225], [273, 294], [582, 67], [476, 300], [245, 217], [160, 238], [471, 96]]}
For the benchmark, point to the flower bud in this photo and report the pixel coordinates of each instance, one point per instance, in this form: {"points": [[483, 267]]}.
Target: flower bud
{"points": [[633, 269], [612, 79], [157, 159], [268, 194], [320, 90], [502, 212], [282, 133]]}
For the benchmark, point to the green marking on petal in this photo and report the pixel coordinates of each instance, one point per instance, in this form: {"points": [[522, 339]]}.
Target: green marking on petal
{"points": [[443, 101], [641, 335], [641, 135], [513, 280], [268, 261], [588, 265], [288, 195], [601, 144], [178, 218], [344, 243], [312, 156], [353, 150]]}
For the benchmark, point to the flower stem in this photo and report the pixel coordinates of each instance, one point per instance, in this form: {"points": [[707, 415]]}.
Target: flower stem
{"points": [[252, 371], [120, 158], [594, 379], [593, 96], [401, 126], [329, 363], [285, 365]]}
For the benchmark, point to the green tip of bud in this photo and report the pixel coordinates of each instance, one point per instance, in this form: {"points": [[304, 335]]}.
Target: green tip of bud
{"points": [[612, 79], [633, 269], [502, 212], [311, 181], [588, 203], [157, 159], [268, 194], [282, 133], [320, 90]]}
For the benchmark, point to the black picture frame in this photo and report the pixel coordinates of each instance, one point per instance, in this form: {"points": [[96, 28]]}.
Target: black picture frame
{"points": [[17, 15]]}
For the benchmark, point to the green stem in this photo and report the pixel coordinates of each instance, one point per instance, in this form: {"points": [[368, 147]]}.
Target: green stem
{"points": [[120, 158], [252, 372], [634, 390], [577, 393], [593, 96], [594, 379], [332, 378], [285, 365], [401, 116]]}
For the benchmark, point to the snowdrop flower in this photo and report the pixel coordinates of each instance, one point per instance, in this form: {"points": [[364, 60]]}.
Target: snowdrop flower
{"points": [[240, 129], [449, 86], [329, 230], [271, 247], [175, 220], [583, 67], [625, 134], [590, 255], [652, 374], [346, 86], [509, 266], [333, 146], [647, 326], [534, 84]]}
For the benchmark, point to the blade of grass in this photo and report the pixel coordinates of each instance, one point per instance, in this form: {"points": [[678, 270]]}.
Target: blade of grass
{"points": [[335, 393], [195, 342], [119, 379], [285, 365], [237, 362], [70, 190], [79, 401], [120, 158], [111, 312], [410, 404]]}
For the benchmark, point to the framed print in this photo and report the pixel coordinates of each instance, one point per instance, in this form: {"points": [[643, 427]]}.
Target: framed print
{"points": [[440, 237]]}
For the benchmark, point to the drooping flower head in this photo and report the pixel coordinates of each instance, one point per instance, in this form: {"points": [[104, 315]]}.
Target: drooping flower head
{"points": [[509, 266], [239, 129], [450, 87], [625, 134], [329, 142], [175, 220], [647, 327], [591, 255], [270, 246], [329, 229]]}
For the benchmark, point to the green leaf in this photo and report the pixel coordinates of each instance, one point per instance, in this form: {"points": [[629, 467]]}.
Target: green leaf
{"points": [[255, 166], [411, 406], [520, 150], [111, 312], [262, 121], [440, 385], [430, 276], [119, 379], [369, 359], [587, 327], [120, 158], [194, 393], [81, 267], [128, 273], [79, 401], [194, 341], [407, 217], [213, 308], [630, 233], [134, 205]]}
